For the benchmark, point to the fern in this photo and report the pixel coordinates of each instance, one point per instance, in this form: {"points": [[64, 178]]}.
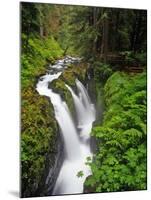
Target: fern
{"points": [[120, 162]]}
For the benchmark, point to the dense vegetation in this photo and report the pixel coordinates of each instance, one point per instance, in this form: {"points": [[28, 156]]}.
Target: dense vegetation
{"points": [[38, 123], [120, 163], [113, 42], [37, 117], [99, 33]]}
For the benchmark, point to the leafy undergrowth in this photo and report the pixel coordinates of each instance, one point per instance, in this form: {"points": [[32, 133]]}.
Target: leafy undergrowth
{"points": [[38, 126], [36, 53], [120, 163]]}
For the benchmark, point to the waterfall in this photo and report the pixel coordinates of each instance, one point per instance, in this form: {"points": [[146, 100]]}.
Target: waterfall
{"points": [[76, 148], [84, 109], [80, 109], [62, 115]]}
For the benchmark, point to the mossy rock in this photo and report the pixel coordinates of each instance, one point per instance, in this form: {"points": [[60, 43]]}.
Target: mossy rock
{"points": [[38, 137], [68, 77]]}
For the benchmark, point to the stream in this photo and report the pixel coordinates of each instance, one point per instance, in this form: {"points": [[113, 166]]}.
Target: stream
{"points": [[76, 135]]}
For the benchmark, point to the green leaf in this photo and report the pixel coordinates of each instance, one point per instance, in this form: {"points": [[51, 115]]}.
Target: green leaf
{"points": [[80, 174]]}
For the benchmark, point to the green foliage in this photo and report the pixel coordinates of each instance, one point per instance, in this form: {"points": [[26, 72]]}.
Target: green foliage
{"points": [[124, 30], [38, 126], [43, 50], [29, 17], [40, 19], [102, 71], [38, 137], [80, 174], [120, 163], [133, 58], [81, 30]]}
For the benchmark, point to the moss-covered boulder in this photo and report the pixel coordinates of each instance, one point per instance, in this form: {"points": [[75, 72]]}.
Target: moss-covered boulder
{"points": [[38, 140], [68, 77]]}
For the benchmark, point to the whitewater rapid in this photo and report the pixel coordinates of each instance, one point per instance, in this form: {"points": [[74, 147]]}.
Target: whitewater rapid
{"points": [[76, 136]]}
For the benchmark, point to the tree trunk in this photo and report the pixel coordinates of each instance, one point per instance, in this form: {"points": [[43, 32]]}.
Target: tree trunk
{"points": [[134, 34], [116, 41], [41, 31], [138, 29], [105, 38]]}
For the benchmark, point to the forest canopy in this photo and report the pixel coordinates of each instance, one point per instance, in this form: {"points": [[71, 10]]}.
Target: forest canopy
{"points": [[89, 31]]}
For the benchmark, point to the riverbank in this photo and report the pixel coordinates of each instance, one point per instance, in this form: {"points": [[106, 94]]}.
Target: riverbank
{"points": [[120, 161], [39, 130], [41, 143]]}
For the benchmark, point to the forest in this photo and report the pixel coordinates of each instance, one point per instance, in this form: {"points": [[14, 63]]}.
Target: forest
{"points": [[111, 45]]}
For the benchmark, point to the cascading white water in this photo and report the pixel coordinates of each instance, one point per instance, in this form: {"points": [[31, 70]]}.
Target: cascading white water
{"points": [[76, 150], [84, 108], [62, 115], [80, 108]]}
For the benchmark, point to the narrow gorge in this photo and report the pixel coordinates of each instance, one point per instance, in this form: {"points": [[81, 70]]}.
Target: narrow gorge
{"points": [[76, 133], [83, 99]]}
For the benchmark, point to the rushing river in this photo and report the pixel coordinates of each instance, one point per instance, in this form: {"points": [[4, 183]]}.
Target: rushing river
{"points": [[76, 135]]}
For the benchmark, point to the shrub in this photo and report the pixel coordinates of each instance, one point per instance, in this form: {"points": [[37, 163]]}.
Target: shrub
{"points": [[120, 163]]}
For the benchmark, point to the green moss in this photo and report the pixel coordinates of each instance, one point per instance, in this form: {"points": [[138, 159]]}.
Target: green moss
{"points": [[38, 137], [38, 125], [68, 77], [35, 56], [73, 72]]}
